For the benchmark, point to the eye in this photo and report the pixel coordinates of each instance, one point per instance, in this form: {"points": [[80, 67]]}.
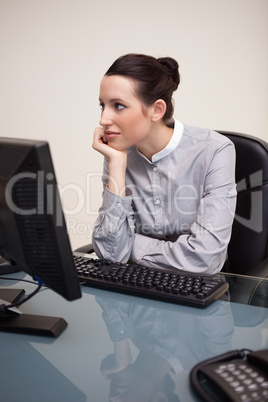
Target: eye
{"points": [[119, 106], [102, 106]]}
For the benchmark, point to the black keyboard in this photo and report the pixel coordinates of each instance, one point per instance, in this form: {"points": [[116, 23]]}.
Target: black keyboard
{"points": [[166, 285]]}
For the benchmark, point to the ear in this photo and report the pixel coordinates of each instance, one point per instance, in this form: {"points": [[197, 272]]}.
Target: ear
{"points": [[158, 110]]}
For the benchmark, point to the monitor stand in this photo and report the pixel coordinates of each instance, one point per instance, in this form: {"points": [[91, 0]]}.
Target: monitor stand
{"points": [[28, 323]]}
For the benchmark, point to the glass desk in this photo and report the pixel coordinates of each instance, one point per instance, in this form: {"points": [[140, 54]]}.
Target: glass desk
{"points": [[124, 348]]}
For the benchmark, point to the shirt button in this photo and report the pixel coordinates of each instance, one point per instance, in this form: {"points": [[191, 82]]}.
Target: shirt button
{"points": [[157, 202], [118, 205], [155, 168]]}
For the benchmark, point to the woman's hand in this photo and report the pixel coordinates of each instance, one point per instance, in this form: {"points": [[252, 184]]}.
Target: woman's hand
{"points": [[100, 144], [117, 162]]}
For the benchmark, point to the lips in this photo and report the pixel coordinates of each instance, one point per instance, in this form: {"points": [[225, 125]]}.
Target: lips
{"points": [[111, 134]]}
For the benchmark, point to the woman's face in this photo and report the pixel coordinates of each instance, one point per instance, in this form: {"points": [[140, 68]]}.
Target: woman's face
{"points": [[124, 118]]}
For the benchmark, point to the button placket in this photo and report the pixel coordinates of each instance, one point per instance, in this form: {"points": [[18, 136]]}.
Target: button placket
{"points": [[157, 197]]}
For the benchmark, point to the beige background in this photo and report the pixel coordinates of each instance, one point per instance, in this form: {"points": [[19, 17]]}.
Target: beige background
{"points": [[53, 54]]}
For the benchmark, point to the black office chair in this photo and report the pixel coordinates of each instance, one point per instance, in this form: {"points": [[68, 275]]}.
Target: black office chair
{"points": [[248, 247]]}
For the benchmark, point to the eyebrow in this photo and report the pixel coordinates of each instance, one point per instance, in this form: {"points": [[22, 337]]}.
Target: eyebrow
{"points": [[114, 100]]}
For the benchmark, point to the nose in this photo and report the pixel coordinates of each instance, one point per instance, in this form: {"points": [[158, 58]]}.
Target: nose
{"points": [[105, 119]]}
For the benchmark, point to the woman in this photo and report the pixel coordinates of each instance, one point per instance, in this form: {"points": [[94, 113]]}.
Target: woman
{"points": [[169, 189]]}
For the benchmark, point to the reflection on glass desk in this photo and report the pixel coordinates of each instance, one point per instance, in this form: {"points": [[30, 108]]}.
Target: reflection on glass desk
{"points": [[123, 348]]}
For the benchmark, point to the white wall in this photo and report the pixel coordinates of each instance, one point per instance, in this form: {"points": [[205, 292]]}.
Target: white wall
{"points": [[53, 54]]}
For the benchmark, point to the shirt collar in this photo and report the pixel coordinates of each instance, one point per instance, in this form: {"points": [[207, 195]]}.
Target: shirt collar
{"points": [[173, 143]]}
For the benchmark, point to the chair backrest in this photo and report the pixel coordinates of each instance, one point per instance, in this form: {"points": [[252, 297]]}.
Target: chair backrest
{"points": [[249, 241]]}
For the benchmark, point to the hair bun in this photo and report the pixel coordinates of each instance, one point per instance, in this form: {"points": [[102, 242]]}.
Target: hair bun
{"points": [[173, 67]]}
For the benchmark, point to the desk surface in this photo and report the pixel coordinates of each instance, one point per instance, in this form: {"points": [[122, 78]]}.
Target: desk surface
{"points": [[155, 344]]}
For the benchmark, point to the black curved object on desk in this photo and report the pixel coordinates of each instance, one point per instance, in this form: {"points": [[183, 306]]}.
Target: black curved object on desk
{"points": [[6, 268], [87, 249]]}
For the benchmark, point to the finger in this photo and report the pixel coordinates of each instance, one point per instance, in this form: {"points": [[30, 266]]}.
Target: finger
{"points": [[98, 133], [98, 137], [100, 143]]}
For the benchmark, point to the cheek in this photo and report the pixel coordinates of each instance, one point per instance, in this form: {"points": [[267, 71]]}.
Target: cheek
{"points": [[138, 126]]}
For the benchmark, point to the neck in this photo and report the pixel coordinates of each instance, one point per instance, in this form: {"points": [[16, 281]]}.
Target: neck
{"points": [[157, 140]]}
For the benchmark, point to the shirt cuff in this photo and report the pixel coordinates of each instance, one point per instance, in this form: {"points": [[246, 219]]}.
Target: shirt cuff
{"points": [[116, 204]]}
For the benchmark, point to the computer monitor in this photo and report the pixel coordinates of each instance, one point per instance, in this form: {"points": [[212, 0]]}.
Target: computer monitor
{"points": [[33, 234]]}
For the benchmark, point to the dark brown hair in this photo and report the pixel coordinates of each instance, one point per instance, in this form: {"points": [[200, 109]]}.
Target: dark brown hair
{"points": [[155, 78]]}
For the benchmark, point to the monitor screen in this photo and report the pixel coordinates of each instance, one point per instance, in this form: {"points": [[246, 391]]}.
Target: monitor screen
{"points": [[33, 234]]}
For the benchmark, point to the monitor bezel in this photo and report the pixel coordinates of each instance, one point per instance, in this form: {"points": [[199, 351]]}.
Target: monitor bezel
{"points": [[13, 247]]}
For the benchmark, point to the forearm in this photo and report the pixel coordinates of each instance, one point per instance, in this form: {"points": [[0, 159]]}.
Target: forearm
{"points": [[203, 249], [117, 175], [113, 234], [182, 254]]}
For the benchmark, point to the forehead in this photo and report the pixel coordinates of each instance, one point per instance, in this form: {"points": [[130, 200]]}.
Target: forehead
{"points": [[117, 87]]}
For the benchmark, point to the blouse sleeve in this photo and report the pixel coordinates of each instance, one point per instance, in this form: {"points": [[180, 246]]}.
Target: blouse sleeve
{"points": [[113, 233]]}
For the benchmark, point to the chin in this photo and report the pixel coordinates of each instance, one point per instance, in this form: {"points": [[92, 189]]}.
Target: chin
{"points": [[118, 147]]}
